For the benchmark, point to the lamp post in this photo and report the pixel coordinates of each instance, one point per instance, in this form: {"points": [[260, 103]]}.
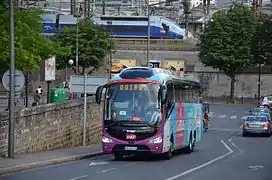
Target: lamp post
{"points": [[110, 58], [148, 33], [77, 14], [70, 62]]}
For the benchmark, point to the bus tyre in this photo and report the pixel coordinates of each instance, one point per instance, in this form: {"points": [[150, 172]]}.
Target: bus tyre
{"points": [[118, 156], [169, 153], [190, 148]]}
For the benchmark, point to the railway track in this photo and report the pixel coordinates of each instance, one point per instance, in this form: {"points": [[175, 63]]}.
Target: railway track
{"points": [[155, 44]]}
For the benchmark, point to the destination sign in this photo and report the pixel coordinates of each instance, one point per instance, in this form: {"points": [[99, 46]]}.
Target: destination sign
{"points": [[133, 87]]}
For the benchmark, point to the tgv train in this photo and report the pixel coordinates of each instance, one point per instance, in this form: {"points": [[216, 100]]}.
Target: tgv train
{"points": [[121, 26]]}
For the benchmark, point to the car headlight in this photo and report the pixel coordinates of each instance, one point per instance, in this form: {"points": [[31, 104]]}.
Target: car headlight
{"points": [[156, 140], [107, 140]]}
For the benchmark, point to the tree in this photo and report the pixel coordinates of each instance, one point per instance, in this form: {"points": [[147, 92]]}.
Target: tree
{"points": [[94, 44], [30, 46], [262, 42], [225, 42]]}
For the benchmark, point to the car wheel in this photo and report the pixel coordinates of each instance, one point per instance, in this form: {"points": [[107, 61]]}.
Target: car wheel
{"points": [[245, 134]]}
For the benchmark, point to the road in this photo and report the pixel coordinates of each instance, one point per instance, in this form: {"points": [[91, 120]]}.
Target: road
{"points": [[223, 154]]}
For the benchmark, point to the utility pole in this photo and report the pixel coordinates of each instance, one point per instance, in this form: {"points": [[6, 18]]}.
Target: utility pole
{"points": [[104, 7], [148, 33], [208, 10], [12, 84], [204, 13]]}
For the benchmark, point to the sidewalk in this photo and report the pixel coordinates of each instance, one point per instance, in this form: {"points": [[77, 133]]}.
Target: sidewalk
{"points": [[35, 160]]}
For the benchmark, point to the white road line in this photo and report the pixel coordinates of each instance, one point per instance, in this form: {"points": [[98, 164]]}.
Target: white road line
{"points": [[225, 130], [234, 145], [105, 170], [243, 117], [130, 164], [222, 116], [233, 117], [203, 165], [79, 177]]}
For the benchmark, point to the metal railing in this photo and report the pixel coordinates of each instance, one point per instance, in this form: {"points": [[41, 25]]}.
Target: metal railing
{"points": [[191, 43]]}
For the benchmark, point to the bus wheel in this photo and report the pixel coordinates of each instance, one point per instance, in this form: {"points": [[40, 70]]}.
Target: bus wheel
{"points": [[118, 156], [168, 155], [190, 147]]}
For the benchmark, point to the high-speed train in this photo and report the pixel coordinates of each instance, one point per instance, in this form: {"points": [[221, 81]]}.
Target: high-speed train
{"points": [[121, 26]]}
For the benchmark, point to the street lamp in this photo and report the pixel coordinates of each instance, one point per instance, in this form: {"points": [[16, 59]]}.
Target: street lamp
{"points": [[77, 14], [70, 62], [148, 32], [110, 58]]}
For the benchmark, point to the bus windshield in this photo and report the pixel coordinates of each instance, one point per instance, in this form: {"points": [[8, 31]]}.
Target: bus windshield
{"points": [[133, 102]]}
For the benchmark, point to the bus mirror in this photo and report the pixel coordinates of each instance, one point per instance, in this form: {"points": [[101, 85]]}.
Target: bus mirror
{"points": [[98, 93], [164, 97]]}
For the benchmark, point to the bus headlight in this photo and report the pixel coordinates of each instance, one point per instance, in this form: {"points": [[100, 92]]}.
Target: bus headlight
{"points": [[156, 140], [107, 140]]}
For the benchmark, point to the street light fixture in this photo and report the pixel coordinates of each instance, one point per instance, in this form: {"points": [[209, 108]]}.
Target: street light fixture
{"points": [[70, 62]]}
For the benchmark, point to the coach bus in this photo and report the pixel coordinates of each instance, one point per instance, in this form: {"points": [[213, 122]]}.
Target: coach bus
{"points": [[148, 110]]}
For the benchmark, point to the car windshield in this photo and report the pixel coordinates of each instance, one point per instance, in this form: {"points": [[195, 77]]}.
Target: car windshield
{"points": [[133, 102], [257, 118]]}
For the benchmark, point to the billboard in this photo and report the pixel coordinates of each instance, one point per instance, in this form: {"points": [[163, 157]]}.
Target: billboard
{"points": [[119, 64], [48, 69], [178, 65], [155, 63]]}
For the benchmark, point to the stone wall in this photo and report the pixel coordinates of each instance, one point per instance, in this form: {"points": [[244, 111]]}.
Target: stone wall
{"points": [[217, 84], [52, 126]]}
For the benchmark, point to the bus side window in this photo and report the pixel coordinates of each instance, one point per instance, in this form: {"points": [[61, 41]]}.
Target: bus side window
{"points": [[170, 98]]}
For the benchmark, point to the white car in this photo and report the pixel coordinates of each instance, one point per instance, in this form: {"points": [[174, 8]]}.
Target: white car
{"points": [[266, 101]]}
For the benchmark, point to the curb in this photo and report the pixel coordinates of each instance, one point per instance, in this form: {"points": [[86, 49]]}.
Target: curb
{"points": [[9, 170]]}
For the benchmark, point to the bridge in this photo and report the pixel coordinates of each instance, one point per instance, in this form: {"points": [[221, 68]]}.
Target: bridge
{"points": [[155, 44]]}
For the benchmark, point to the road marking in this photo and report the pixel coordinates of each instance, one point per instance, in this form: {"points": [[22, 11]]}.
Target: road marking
{"points": [[205, 164], [234, 145], [211, 113], [224, 130], [255, 168], [233, 117], [222, 116], [79, 177], [105, 170], [243, 117], [98, 163], [130, 164]]}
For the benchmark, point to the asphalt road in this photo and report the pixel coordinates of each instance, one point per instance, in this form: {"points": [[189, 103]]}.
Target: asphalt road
{"points": [[222, 154]]}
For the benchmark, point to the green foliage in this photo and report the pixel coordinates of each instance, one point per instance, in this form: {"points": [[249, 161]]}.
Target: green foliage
{"points": [[262, 41], [30, 46], [94, 44], [225, 42]]}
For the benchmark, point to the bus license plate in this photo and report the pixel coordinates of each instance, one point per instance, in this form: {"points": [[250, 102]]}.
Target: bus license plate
{"points": [[129, 148]]}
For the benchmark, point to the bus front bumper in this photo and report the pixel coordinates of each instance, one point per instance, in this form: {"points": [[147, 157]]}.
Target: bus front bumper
{"points": [[132, 147]]}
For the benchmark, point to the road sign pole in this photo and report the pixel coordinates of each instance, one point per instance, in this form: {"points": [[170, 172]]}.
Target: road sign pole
{"points": [[12, 84], [85, 110]]}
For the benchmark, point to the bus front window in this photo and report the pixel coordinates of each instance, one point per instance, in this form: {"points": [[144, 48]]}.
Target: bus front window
{"points": [[133, 102]]}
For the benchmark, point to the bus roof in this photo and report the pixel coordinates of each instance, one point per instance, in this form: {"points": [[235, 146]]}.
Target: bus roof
{"points": [[155, 74]]}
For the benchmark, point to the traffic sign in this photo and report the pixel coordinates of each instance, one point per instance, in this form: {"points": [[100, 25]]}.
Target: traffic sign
{"points": [[19, 80], [78, 83]]}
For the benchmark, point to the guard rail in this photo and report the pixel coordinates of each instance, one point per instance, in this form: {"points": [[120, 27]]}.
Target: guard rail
{"points": [[155, 45]]}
